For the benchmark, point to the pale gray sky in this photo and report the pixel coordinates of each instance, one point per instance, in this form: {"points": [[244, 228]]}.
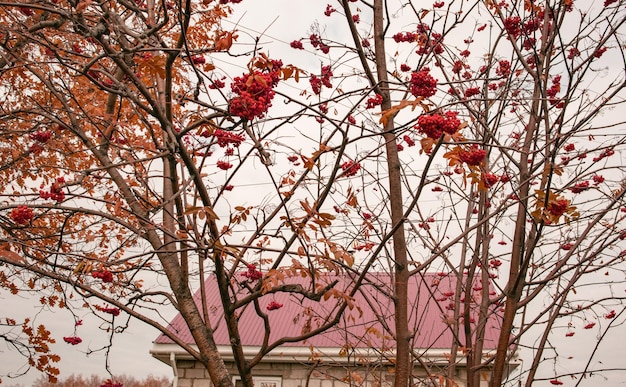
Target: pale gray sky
{"points": [[278, 22]]}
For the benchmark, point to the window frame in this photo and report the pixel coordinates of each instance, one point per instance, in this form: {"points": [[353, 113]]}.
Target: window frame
{"points": [[260, 379]]}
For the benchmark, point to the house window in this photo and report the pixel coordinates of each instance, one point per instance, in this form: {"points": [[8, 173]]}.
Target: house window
{"points": [[260, 381]]}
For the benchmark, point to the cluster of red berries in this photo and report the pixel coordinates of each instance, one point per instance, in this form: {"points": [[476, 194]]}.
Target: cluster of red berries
{"points": [[472, 156], [406, 37], [224, 165], [297, 45], [599, 52], [55, 192], [558, 207], [104, 275], [606, 153], [21, 214], [532, 24], [490, 179], [434, 44], [252, 274], [26, 11], [316, 41], [111, 311], [423, 84], [225, 138], [472, 91], [366, 247], [573, 52], [598, 179], [216, 84], [254, 92], [274, 305], [374, 101], [350, 168], [73, 340], [512, 25], [554, 90], [198, 60], [580, 187], [435, 125], [504, 68], [495, 86], [459, 66], [323, 80], [41, 136]]}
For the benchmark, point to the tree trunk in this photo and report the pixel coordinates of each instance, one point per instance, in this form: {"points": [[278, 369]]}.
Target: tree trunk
{"points": [[401, 271]]}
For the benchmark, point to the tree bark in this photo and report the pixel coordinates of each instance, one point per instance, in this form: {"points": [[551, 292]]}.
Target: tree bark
{"points": [[401, 271]]}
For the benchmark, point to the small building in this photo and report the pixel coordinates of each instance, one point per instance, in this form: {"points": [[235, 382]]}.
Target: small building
{"points": [[358, 350]]}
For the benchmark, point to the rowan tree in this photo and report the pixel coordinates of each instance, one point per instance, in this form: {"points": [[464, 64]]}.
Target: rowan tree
{"points": [[477, 139]]}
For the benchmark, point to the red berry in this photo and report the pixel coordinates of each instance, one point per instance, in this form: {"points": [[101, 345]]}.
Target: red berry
{"points": [[21, 214]]}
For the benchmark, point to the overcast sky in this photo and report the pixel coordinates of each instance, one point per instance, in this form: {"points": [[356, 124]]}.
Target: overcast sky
{"points": [[278, 22]]}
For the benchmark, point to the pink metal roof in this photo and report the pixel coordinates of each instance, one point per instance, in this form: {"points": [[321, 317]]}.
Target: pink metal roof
{"points": [[428, 303]]}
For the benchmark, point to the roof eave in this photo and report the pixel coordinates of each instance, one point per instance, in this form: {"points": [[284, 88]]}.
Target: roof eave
{"points": [[164, 351]]}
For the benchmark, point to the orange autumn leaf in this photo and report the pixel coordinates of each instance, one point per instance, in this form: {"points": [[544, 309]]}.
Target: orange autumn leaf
{"points": [[152, 65], [388, 114], [454, 156], [224, 41]]}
